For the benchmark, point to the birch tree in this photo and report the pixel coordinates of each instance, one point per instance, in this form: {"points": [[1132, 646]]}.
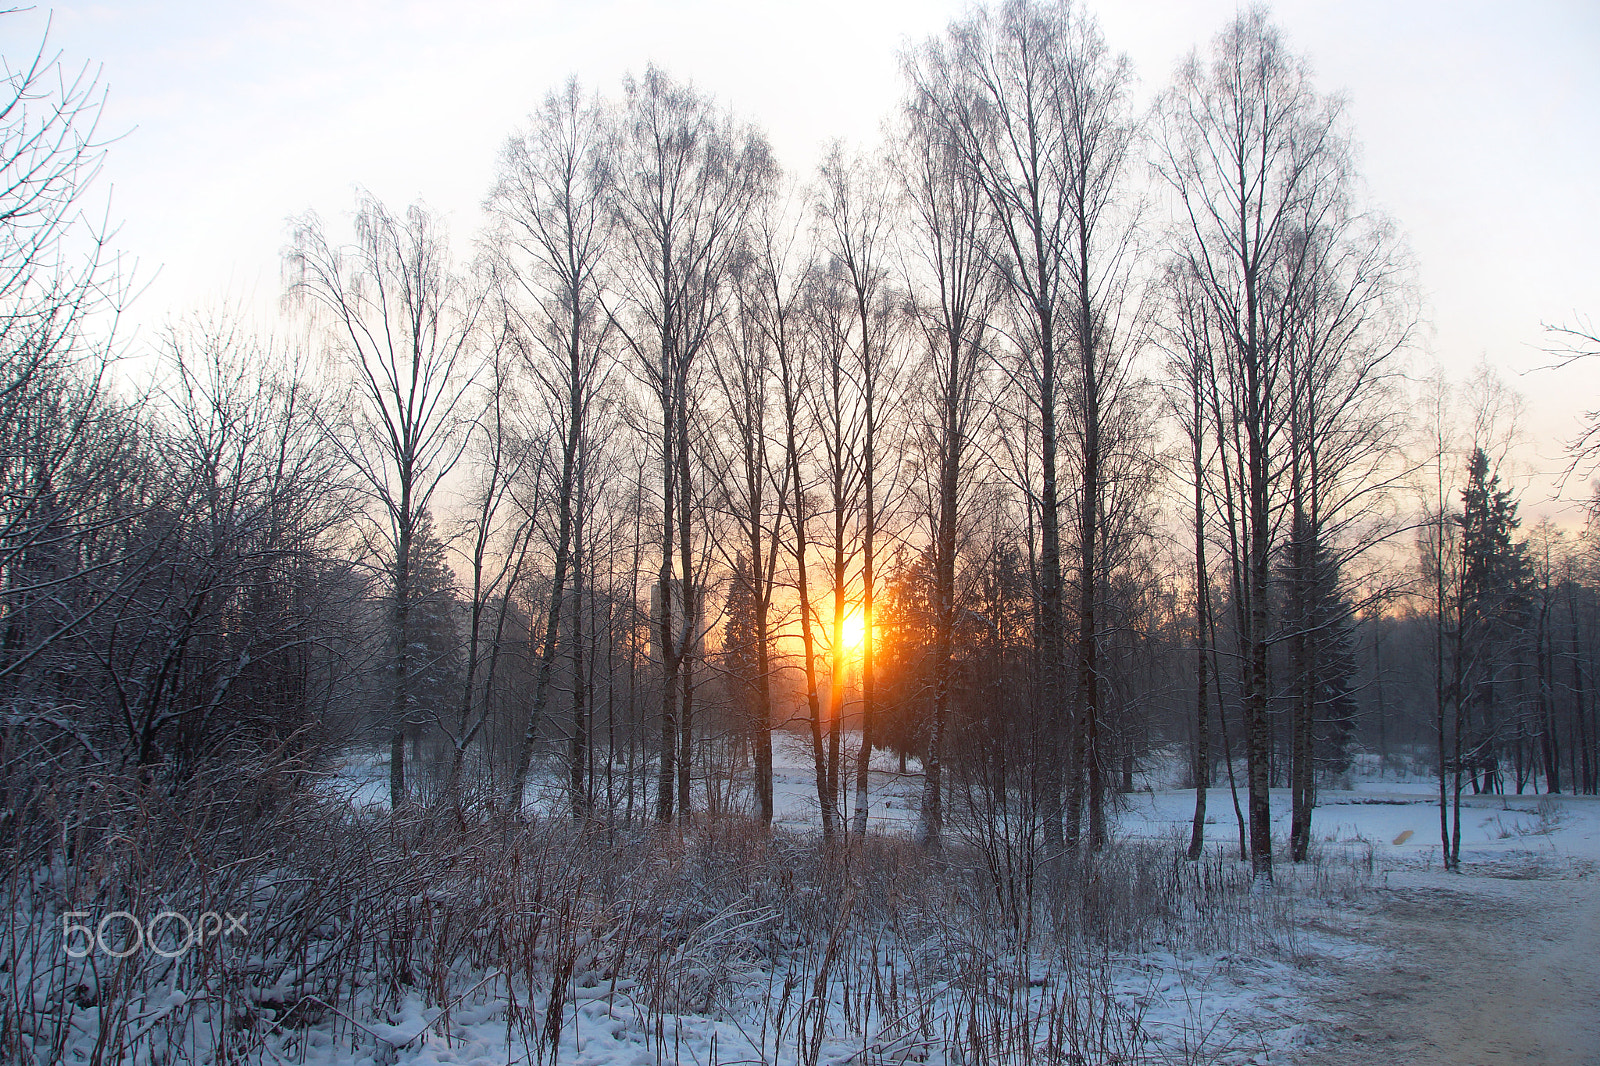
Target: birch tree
{"points": [[1037, 108], [857, 220], [404, 323], [949, 257], [552, 229], [687, 177], [1252, 153], [757, 491]]}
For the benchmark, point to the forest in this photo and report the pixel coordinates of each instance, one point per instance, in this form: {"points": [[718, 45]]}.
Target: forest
{"points": [[1051, 451]]}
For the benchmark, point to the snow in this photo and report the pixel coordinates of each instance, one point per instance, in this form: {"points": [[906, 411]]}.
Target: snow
{"points": [[1241, 997], [1373, 812], [894, 797], [363, 778], [1376, 814], [1230, 1009]]}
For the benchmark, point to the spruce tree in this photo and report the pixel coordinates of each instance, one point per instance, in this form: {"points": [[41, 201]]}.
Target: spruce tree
{"points": [[1319, 616], [741, 636], [1492, 604], [433, 663]]}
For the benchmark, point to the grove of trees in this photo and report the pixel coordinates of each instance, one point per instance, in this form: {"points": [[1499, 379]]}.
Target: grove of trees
{"points": [[1050, 443]]}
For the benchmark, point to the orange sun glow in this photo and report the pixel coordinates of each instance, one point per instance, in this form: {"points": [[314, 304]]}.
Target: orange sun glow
{"points": [[855, 631]]}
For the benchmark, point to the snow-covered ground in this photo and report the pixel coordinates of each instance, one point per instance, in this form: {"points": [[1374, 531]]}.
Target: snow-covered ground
{"points": [[1242, 972], [1499, 963], [1398, 822], [364, 777], [1395, 814], [894, 797]]}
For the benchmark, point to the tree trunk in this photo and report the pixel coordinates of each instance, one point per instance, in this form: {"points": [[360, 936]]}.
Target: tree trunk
{"points": [[667, 770], [1202, 585], [825, 798], [558, 586], [1258, 726], [689, 639], [1058, 833], [579, 749], [1303, 652], [763, 724], [930, 827], [864, 757], [1547, 714], [400, 710], [1088, 539], [1583, 743]]}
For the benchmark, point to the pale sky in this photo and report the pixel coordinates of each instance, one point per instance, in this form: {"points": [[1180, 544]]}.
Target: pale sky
{"points": [[1479, 125]]}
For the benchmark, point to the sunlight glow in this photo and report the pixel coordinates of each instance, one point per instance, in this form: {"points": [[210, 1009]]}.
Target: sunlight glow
{"points": [[854, 631]]}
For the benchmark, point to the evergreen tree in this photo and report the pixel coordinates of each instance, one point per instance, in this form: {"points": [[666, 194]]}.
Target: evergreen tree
{"points": [[1492, 605], [1320, 621], [433, 661], [1331, 616], [741, 637], [905, 612], [1495, 570]]}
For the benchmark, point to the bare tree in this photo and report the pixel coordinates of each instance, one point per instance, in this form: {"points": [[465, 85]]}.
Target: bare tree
{"points": [[171, 594], [553, 226], [63, 439], [837, 424], [1190, 344], [948, 236], [686, 179], [1038, 110], [856, 215], [1102, 221], [208, 652], [496, 554], [405, 325], [55, 265], [1254, 155], [989, 91], [758, 481], [1580, 340], [777, 298]]}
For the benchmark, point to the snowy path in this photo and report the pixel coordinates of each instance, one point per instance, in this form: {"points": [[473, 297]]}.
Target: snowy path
{"points": [[1481, 969]]}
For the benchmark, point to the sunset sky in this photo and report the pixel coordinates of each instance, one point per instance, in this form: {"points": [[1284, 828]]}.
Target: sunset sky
{"points": [[1479, 125]]}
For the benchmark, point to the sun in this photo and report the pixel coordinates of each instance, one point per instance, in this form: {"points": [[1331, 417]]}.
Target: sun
{"points": [[855, 631]]}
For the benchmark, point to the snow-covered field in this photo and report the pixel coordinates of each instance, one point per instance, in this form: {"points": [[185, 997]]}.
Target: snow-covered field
{"points": [[1396, 815], [725, 946], [364, 779], [1399, 823]]}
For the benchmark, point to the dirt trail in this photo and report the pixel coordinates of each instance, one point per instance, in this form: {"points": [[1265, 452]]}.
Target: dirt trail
{"points": [[1480, 971]]}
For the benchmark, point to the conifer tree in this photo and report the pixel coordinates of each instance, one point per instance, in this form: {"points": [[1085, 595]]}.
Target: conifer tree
{"points": [[741, 645], [1493, 601], [433, 664]]}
